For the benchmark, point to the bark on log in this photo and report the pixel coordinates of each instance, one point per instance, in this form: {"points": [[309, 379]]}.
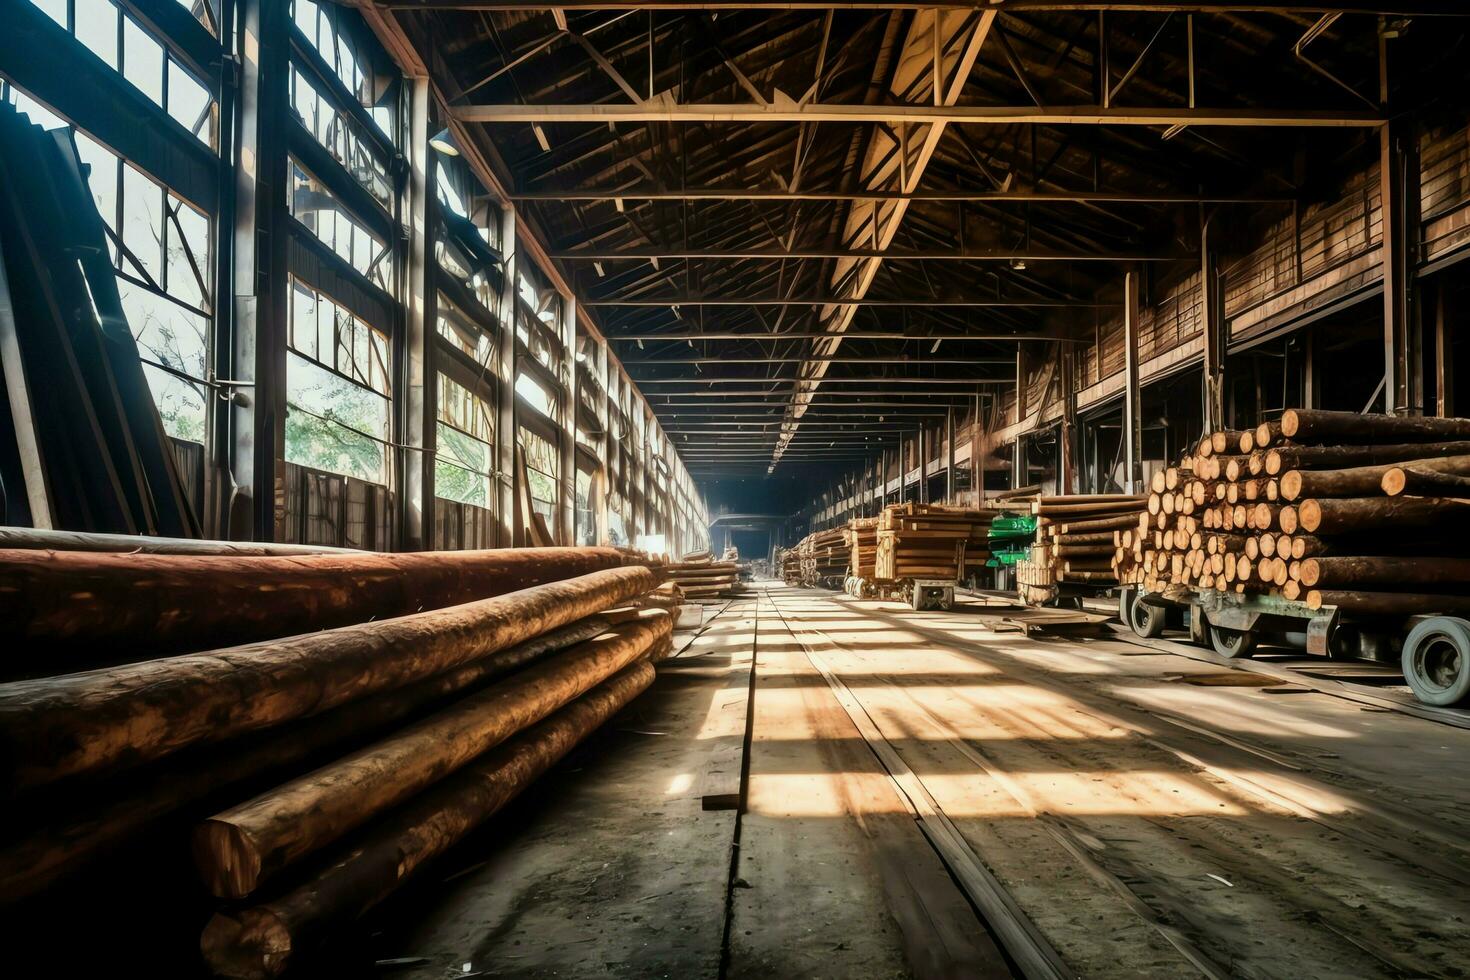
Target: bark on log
{"points": [[1389, 603], [1365, 481], [1383, 574], [261, 942], [108, 719], [55, 601], [1431, 477], [1266, 434], [88, 830], [1315, 425], [29, 538], [1345, 515], [235, 851], [1337, 457]]}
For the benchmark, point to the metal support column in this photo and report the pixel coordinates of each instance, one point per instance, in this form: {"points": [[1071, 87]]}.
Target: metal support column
{"points": [[418, 386], [1212, 322], [566, 511], [1067, 440], [1132, 411], [922, 440], [1445, 307], [1403, 389], [949, 483], [509, 479]]}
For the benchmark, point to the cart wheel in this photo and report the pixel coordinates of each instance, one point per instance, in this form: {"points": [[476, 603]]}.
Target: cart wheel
{"points": [[1147, 621], [1436, 661], [1126, 597], [918, 599], [947, 601], [1235, 644]]}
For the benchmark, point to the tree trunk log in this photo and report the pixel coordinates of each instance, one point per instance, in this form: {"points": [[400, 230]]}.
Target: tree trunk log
{"points": [[1313, 425], [261, 942], [244, 846], [1389, 603], [32, 538], [117, 717], [53, 602], [1431, 477], [1387, 574], [1337, 457], [1365, 481], [1346, 515], [87, 830]]}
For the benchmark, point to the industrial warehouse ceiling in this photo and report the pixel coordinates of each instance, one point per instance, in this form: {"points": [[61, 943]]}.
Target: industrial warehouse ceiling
{"points": [[794, 219]]}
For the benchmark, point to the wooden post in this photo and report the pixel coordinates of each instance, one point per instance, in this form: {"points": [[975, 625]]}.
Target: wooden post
{"points": [[1132, 411], [418, 386]]}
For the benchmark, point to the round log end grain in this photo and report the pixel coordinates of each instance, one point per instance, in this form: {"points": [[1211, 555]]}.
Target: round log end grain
{"points": [[246, 944], [228, 861], [1309, 516], [1310, 572], [1393, 481], [1293, 516], [1290, 423], [1291, 484], [1263, 435], [1273, 462]]}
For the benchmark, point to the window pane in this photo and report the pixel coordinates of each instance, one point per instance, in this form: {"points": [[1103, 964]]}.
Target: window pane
{"points": [[189, 103], [55, 9], [142, 61], [180, 404], [166, 332], [187, 254], [142, 230], [324, 409], [303, 320], [97, 28]]}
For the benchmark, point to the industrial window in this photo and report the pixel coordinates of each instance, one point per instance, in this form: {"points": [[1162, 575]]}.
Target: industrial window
{"points": [[352, 54], [126, 47], [537, 395], [464, 333], [161, 249], [465, 464], [342, 136], [541, 472], [318, 209], [337, 389]]}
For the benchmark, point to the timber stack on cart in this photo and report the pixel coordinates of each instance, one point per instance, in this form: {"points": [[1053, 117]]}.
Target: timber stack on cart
{"points": [[1075, 537], [788, 560], [862, 545], [699, 576], [307, 749], [932, 541], [825, 558], [1362, 512]]}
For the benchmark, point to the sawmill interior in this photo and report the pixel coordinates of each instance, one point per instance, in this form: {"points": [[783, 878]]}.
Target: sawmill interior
{"points": [[733, 489]]}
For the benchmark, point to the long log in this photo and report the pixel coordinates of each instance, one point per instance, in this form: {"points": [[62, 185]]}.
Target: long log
{"points": [[1341, 515], [1316, 425], [235, 851], [1337, 457], [55, 727], [1365, 481], [1431, 477], [262, 941], [1389, 603], [45, 539], [1100, 524], [98, 823], [166, 603], [1387, 574]]}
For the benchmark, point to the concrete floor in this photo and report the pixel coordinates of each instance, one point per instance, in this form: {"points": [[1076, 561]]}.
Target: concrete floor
{"points": [[1142, 814]]}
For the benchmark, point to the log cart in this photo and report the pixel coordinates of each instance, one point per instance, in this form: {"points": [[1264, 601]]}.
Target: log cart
{"points": [[925, 550], [1342, 532], [1072, 558]]}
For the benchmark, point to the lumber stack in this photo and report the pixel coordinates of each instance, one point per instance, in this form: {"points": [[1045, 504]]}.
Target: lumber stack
{"points": [[1362, 512], [788, 560], [323, 768], [931, 541], [824, 558], [862, 546], [1075, 534], [701, 577]]}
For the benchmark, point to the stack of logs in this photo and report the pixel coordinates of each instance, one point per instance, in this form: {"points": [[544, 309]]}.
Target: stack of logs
{"points": [[862, 545], [314, 728], [1075, 534], [789, 562], [824, 557], [1361, 512], [699, 576], [931, 541]]}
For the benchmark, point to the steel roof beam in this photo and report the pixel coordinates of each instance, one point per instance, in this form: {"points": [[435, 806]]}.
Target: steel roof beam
{"points": [[642, 253], [1409, 8], [658, 301], [916, 115], [817, 335], [1019, 196]]}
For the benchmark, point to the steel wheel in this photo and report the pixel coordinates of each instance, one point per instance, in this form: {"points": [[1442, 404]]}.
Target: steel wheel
{"points": [[1436, 661], [1234, 644]]}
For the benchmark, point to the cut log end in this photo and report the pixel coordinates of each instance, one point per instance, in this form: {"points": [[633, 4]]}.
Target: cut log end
{"points": [[246, 944], [1309, 516], [1394, 481], [1291, 484], [227, 859], [1290, 423]]}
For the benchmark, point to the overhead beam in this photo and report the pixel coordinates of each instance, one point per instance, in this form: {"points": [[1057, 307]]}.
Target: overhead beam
{"points": [[881, 382], [886, 335], [914, 115], [928, 360], [644, 253], [657, 301], [1411, 8], [570, 194]]}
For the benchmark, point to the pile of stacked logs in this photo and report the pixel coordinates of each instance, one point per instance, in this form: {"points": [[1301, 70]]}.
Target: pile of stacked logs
{"points": [[699, 576], [1075, 535], [862, 545], [1361, 512], [788, 560], [312, 728], [931, 541], [824, 557]]}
